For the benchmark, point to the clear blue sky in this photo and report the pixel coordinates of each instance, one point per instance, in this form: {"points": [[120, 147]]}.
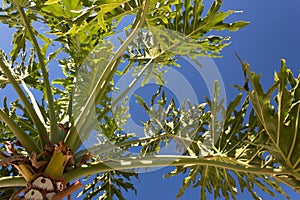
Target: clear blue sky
{"points": [[273, 34]]}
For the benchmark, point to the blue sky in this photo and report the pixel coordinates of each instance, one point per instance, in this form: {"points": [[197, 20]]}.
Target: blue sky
{"points": [[273, 34]]}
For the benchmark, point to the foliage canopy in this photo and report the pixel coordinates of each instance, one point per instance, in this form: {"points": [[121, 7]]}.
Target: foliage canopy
{"points": [[259, 143]]}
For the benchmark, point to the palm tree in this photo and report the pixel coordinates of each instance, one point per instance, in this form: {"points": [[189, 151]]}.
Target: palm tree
{"points": [[44, 155]]}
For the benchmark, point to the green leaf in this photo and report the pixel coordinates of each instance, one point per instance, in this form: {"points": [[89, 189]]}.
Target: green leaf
{"points": [[19, 42], [280, 123], [109, 184], [188, 19], [49, 2]]}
